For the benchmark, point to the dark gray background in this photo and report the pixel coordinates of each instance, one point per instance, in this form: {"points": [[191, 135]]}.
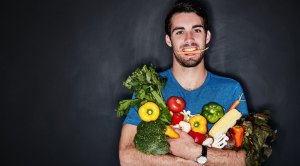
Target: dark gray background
{"points": [[63, 62]]}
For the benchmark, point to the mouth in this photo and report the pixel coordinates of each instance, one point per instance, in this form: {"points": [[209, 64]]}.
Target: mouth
{"points": [[191, 51]]}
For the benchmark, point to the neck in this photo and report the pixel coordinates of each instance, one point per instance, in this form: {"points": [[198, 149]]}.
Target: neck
{"points": [[190, 78]]}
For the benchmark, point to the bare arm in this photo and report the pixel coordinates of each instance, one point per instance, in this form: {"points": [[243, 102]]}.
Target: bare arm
{"points": [[130, 156], [186, 148]]}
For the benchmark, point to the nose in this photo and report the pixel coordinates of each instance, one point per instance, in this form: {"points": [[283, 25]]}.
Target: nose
{"points": [[189, 37]]}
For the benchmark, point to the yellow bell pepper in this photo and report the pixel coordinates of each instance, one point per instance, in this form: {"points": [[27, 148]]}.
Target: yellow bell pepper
{"points": [[149, 112], [198, 124], [171, 132]]}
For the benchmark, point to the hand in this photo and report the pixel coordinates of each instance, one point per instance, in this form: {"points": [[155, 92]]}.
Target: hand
{"points": [[184, 146]]}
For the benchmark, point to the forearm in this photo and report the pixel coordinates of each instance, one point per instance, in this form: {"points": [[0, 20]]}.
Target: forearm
{"points": [[129, 156], [186, 148], [225, 157], [217, 156], [132, 157]]}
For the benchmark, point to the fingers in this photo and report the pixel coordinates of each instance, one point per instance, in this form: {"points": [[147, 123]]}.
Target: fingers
{"points": [[170, 140], [179, 131]]}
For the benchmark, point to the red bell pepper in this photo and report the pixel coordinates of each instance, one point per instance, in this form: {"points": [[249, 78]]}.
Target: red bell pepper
{"points": [[238, 135], [176, 118], [198, 137]]}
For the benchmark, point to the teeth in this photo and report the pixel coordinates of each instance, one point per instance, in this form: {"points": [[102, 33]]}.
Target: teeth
{"points": [[189, 49]]}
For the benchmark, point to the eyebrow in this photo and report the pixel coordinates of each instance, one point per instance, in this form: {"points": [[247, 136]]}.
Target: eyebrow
{"points": [[198, 26], [177, 28], [182, 28]]}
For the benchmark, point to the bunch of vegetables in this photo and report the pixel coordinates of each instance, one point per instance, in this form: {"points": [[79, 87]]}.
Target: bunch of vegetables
{"points": [[257, 136], [230, 130], [195, 126], [146, 85], [252, 133]]}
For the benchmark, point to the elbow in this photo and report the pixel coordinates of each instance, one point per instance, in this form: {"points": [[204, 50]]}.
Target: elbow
{"points": [[124, 157]]}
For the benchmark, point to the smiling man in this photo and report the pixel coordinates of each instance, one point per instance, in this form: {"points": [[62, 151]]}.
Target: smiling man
{"points": [[187, 34]]}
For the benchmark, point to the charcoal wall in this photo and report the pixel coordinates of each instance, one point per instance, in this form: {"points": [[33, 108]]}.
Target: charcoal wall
{"points": [[63, 62]]}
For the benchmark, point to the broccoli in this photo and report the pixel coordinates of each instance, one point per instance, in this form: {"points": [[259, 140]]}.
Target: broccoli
{"points": [[150, 138]]}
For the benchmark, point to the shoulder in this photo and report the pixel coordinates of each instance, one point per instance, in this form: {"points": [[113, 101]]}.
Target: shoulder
{"points": [[165, 73], [223, 82], [218, 79]]}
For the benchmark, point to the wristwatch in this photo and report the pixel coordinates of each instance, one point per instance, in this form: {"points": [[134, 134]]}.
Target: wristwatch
{"points": [[203, 158]]}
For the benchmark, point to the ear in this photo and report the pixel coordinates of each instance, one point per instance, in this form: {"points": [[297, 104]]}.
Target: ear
{"points": [[168, 41], [208, 36]]}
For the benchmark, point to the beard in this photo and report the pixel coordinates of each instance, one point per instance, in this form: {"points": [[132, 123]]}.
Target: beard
{"points": [[191, 62]]}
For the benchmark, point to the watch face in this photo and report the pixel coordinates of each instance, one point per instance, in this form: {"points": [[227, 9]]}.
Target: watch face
{"points": [[202, 160]]}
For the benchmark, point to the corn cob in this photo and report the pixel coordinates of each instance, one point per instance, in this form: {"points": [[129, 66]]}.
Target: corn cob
{"points": [[226, 122]]}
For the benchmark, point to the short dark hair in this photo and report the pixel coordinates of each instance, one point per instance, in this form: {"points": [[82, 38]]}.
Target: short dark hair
{"points": [[186, 6]]}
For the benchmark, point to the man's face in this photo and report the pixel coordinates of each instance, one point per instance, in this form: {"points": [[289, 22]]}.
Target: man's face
{"points": [[187, 34]]}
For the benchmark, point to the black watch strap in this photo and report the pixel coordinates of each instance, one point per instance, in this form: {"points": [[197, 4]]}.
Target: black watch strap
{"points": [[204, 151], [203, 158]]}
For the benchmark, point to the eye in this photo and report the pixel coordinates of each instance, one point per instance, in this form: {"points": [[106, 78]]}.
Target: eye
{"points": [[179, 32], [198, 30]]}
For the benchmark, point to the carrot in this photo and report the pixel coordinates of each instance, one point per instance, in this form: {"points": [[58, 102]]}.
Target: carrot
{"points": [[236, 103], [192, 52]]}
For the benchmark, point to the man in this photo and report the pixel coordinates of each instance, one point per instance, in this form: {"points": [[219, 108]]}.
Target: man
{"points": [[186, 31]]}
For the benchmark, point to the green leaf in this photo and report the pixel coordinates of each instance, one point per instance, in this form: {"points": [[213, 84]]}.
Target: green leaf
{"points": [[267, 151], [257, 131], [125, 105]]}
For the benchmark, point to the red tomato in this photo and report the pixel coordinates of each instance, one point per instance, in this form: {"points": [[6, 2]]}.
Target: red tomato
{"points": [[176, 104]]}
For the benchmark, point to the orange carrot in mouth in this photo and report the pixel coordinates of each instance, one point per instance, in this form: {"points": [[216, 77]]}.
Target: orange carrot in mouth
{"points": [[192, 52]]}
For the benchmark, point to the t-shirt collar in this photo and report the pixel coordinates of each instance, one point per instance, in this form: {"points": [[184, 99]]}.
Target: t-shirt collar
{"points": [[208, 74]]}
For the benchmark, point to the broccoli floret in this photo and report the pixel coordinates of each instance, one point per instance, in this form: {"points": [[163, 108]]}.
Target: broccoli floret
{"points": [[150, 138]]}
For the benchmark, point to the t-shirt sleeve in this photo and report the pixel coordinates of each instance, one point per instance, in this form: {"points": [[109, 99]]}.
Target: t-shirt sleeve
{"points": [[242, 107], [132, 116]]}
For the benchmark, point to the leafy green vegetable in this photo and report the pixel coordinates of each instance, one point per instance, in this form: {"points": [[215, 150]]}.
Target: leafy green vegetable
{"points": [[150, 138], [146, 85], [258, 134], [125, 105]]}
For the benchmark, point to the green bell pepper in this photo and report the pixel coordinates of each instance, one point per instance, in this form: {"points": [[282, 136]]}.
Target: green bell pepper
{"points": [[212, 112]]}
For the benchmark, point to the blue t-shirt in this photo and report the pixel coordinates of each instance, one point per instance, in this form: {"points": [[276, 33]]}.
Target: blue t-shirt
{"points": [[222, 90]]}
